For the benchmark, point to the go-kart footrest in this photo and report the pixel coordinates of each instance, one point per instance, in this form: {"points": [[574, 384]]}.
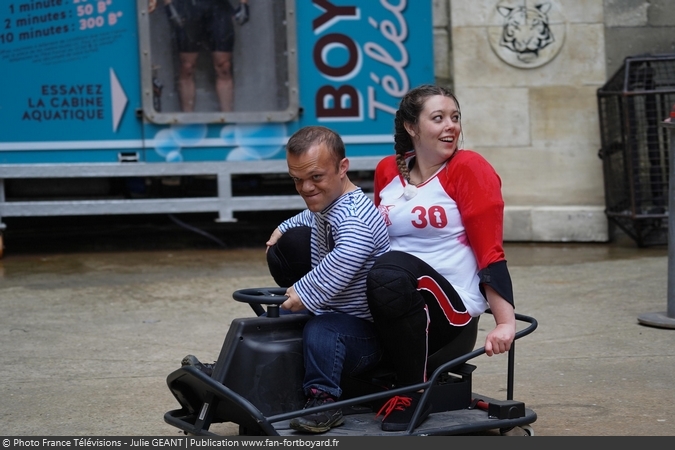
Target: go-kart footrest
{"points": [[505, 409]]}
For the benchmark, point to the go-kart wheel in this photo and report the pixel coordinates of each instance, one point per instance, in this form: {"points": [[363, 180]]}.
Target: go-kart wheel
{"points": [[523, 430], [261, 296]]}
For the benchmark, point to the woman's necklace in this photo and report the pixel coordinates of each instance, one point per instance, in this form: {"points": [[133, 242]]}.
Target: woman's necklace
{"points": [[410, 189]]}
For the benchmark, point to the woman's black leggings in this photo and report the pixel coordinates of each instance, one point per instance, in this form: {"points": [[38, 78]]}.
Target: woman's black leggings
{"points": [[416, 312]]}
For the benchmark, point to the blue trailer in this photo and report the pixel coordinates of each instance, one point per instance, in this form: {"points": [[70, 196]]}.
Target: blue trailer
{"points": [[91, 113]]}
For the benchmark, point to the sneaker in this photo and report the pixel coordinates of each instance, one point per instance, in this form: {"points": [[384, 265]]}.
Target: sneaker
{"points": [[191, 360], [399, 410], [318, 422]]}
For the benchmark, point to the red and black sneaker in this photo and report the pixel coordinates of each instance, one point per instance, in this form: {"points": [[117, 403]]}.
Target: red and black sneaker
{"points": [[398, 412]]}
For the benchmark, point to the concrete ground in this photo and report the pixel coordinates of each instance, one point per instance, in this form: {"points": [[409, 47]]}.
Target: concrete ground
{"points": [[90, 332]]}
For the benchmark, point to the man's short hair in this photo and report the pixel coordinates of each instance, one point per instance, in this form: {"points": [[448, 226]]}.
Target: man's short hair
{"points": [[308, 136]]}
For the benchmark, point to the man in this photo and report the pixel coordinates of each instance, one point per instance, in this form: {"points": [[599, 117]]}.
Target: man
{"points": [[205, 24], [323, 255], [341, 234]]}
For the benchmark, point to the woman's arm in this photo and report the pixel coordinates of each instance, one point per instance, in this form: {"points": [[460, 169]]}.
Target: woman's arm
{"points": [[499, 340]]}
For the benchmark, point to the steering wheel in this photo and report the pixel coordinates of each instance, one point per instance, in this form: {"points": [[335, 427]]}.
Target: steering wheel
{"points": [[272, 297]]}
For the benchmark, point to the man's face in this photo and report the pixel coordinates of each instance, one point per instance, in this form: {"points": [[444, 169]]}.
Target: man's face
{"points": [[318, 178]]}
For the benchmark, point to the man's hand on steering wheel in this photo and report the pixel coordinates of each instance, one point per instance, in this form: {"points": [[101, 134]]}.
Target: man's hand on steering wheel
{"points": [[293, 304]]}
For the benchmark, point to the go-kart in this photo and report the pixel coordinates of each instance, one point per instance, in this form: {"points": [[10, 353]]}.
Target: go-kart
{"points": [[256, 383]]}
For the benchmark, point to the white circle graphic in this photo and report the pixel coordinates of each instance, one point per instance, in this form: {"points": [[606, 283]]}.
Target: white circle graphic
{"points": [[526, 33]]}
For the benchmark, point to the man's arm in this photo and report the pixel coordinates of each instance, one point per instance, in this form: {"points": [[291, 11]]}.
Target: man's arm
{"points": [[354, 245]]}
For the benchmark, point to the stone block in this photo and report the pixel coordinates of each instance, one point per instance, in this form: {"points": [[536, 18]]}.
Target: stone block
{"points": [[662, 13], [474, 13], [623, 42], [576, 223], [470, 13], [441, 12], [626, 13], [580, 61], [441, 53], [564, 115], [517, 223], [494, 116], [474, 61], [557, 176], [569, 224], [582, 11]]}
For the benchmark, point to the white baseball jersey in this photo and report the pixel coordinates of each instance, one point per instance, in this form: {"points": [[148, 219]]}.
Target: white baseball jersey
{"points": [[454, 223]]}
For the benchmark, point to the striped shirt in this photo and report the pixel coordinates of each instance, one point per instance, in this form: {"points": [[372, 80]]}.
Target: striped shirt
{"points": [[347, 237]]}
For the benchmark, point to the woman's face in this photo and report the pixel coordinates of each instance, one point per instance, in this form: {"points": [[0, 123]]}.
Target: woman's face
{"points": [[438, 128]]}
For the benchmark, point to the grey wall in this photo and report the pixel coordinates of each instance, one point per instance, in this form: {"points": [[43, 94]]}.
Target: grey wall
{"points": [[539, 126], [634, 27]]}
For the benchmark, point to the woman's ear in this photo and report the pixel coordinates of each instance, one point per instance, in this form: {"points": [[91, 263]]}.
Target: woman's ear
{"points": [[410, 129]]}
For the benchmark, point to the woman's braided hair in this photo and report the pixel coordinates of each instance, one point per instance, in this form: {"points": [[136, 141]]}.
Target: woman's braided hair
{"points": [[409, 111]]}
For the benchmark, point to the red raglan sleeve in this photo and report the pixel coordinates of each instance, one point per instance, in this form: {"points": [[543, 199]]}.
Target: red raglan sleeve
{"points": [[385, 171], [477, 191]]}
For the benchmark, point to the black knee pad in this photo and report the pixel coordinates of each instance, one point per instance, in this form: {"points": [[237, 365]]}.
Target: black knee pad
{"points": [[291, 257], [392, 293]]}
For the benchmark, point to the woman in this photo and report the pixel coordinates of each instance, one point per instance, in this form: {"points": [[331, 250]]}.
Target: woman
{"points": [[444, 213]]}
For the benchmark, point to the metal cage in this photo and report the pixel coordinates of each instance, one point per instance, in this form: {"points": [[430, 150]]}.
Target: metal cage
{"points": [[632, 105]]}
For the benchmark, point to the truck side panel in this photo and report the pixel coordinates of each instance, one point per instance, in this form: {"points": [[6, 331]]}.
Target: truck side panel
{"points": [[89, 91]]}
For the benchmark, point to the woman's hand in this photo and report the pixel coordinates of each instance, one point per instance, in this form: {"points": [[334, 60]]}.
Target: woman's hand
{"points": [[500, 339]]}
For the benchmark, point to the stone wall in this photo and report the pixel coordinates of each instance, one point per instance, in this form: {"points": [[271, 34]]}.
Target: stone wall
{"points": [[634, 27], [533, 117]]}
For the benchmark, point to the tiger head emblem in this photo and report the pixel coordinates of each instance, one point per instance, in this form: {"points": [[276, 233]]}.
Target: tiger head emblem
{"points": [[526, 30]]}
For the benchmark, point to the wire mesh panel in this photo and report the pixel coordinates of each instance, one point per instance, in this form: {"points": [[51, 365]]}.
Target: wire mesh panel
{"points": [[632, 105]]}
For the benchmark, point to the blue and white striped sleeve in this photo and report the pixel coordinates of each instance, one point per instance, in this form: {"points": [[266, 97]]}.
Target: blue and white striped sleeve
{"points": [[303, 218]]}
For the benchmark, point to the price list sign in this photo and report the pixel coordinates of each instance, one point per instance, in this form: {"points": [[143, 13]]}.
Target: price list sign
{"points": [[65, 66]]}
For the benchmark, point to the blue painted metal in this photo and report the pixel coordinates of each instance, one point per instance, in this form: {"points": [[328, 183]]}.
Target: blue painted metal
{"points": [[71, 83]]}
